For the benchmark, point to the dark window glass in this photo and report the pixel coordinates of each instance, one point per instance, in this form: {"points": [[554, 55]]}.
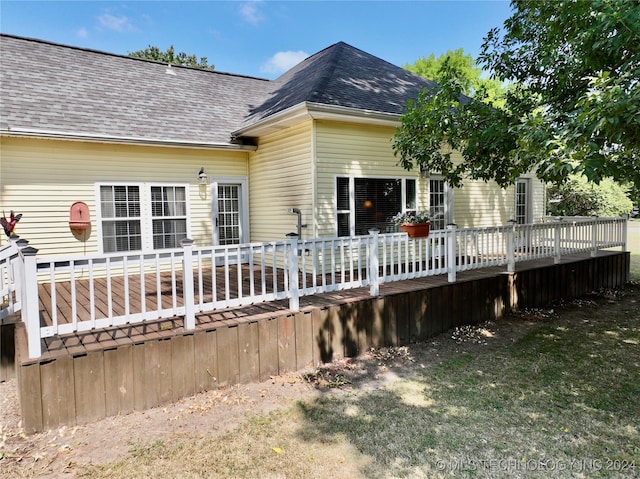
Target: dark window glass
{"points": [[343, 193], [377, 200], [411, 200]]}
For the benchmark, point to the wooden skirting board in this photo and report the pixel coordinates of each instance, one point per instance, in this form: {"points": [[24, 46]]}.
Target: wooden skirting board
{"points": [[120, 377]]}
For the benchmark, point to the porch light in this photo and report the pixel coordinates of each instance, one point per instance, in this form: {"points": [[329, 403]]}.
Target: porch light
{"points": [[202, 176]]}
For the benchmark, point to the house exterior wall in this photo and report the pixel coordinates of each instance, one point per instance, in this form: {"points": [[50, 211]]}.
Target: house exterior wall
{"points": [[345, 149], [293, 168], [42, 178], [479, 204], [280, 178], [365, 151]]}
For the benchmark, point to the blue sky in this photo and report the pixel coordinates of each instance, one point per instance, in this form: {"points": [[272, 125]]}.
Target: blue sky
{"points": [[259, 38]]}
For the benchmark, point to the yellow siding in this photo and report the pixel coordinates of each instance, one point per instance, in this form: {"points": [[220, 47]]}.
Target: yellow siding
{"points": [[281, 177], [486, 204], [479, 204], [42, 178], [539, 198], [358, 150]]}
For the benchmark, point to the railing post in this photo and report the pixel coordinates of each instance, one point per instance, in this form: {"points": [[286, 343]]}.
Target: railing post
{"points": [[451, 252], [625, 232], [29, 299], [374, 262], [511, 247], [294, 287], [557, 254], [188, 295], [16, 272], [594, 237]]}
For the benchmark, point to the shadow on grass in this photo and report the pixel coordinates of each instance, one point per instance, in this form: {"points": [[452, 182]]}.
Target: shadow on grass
{"points": [[564, 393]]}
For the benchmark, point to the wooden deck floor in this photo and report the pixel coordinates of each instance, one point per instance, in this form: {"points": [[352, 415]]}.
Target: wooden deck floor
{"points": [[81, 343]]}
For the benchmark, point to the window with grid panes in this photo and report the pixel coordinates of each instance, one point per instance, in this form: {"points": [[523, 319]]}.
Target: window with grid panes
{"points": [[437, 203], [121, 222], [522, 213], [228, 214], [125, 228], [169, 216]]}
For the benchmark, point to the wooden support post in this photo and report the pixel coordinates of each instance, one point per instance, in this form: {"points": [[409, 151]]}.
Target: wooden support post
{"points": [[188, 295], [557, 255], [511, 247], [30, 301], [594, 237], [294, 288], [374, 261], [451, 252]]}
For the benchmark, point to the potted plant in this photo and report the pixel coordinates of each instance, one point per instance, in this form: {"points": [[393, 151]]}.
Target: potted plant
{"points": [[415, 223]]}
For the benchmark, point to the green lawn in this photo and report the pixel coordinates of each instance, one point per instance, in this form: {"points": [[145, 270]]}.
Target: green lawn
{"points": [[554, 396]]}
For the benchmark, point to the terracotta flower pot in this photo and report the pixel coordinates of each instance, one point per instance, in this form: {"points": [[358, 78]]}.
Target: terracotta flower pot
{"points": [[416, 230]]}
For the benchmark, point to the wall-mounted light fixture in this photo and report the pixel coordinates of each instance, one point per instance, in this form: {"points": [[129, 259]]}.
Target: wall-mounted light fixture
{"points": [[202, 176]]}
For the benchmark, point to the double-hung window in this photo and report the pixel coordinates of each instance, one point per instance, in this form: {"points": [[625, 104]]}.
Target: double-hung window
{"points": [[366, 203], [121, 218], [141, 217], [169, 216]]}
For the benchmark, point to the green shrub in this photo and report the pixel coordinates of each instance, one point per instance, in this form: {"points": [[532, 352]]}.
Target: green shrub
{"points": [[578, 197]]}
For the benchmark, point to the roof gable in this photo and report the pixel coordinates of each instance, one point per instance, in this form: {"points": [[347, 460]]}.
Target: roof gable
{"points": [[342, 75], [73, 92]]}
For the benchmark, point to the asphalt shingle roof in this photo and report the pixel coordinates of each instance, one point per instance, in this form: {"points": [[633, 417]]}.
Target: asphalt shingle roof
{"points": [[56, 88], [343, 75]]}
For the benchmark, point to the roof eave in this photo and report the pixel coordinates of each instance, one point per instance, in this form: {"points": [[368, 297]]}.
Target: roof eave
{"points": [[140, 141], [321, 111], [316, 111]]}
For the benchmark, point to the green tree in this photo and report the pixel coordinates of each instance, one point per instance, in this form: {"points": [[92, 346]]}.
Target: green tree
{"points": [[471, 78], [170, 56], [577, 196], [572, 108]]}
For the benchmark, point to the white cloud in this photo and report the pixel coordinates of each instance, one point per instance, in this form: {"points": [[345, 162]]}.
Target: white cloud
{"points": [[82, 33], [251, 13], [119, 24], [282, 61]]}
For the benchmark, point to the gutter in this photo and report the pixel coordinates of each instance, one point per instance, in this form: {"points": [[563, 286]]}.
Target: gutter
{"points": [[59, 135], [317, 111]]}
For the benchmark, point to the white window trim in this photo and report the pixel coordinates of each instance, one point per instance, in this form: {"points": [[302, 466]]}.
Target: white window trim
{"points": [[146, 220], [352, 200], [528, 199], [245, 234], [449, 199]]}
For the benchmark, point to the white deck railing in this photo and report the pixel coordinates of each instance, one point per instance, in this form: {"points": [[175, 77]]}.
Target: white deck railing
{"points": [[98, 291], [10, 294]]}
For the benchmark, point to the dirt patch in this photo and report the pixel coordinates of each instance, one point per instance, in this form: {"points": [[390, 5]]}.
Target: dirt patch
{"points": [[65, 450]]}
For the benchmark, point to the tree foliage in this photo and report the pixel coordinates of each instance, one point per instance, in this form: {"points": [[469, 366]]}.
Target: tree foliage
{"points": [[170, 57], [578, 197], [471, 78], [574, 67]]}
